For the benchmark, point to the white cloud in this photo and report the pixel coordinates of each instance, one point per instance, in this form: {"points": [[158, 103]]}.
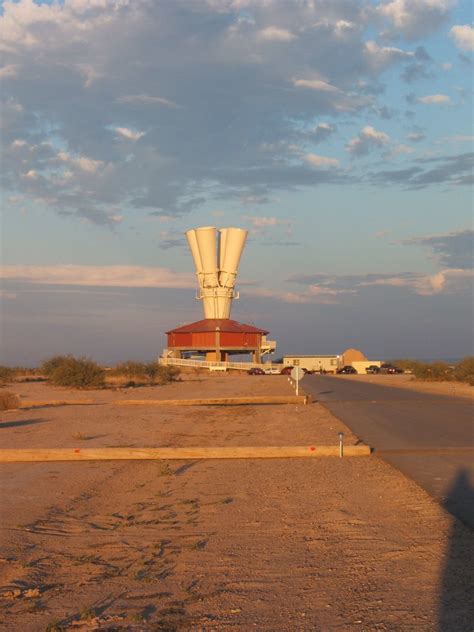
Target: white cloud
{"points": [[444, 281], [102, 276], [414, 18], [416, 136], [401, 149], [146, 99], [321, 161], [129, 134], [17, 143], [380, 57], [264, 222], [311, 296], [275, 34], [463, 35], [10, 70], [434, 99], [315, 84], [458, 138], [200, 76], [82, 162], [367, 139], [31, 175]]}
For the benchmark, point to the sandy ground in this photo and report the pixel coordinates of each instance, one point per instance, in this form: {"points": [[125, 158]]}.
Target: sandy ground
{"points": [[307, 544], [453, 389]]}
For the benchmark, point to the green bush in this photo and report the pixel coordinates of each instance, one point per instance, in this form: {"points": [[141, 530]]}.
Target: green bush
{"points": [[7, 374], [464, 370], [78, 373]]}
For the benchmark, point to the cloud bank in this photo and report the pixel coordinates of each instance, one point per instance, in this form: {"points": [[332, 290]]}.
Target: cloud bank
{"points": [[159, 106]]}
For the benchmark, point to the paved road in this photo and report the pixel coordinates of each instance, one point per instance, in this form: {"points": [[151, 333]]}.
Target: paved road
{"points": [[429, 438]]}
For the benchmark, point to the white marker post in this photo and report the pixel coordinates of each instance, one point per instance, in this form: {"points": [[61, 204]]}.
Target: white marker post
{"points": [[297, 374]]}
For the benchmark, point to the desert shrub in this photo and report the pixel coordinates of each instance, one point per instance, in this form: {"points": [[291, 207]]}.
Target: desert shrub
{"points": [[8, 400], [7, 374], [49, 366], [436, 371], [167, 374], [464, 370], [78, 373], [407, 364], [152, 372], [152, 369], [130, 369]]}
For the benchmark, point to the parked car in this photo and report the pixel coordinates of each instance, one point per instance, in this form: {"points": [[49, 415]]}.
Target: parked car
{"points": [[347, 369], [389, 368], [373, 368], [256, 371], [286, 370], [271, 371]]}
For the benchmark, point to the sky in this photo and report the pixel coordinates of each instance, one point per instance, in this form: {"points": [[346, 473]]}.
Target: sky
{"points": [[338, 132]]}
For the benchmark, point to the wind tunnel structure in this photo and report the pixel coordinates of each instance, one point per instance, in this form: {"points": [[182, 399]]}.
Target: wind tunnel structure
{"points": [[216, 255]]}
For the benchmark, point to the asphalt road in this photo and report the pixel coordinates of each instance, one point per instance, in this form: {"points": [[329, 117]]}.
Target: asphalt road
{"points": [[429, 438]]}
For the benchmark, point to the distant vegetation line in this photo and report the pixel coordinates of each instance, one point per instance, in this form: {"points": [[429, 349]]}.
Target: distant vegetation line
{"points": [[439, 371], [67, 370]]}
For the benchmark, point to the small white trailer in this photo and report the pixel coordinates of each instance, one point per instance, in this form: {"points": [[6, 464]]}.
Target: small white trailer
{"points": [[326, 363]]}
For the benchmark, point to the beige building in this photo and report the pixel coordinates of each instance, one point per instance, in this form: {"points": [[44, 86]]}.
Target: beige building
{"points": [[327, 363], [352, 355]]}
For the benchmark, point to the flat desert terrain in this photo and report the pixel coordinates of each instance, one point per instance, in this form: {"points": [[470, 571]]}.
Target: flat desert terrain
{"points": [[278, 544], [453, 389]]}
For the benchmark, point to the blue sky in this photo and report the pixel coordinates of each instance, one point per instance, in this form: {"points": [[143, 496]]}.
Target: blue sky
{"points": [[338, 132]]}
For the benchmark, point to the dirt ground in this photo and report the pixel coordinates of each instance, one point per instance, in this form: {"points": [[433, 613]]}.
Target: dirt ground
{"points": [[283, 544], [454, 389]]}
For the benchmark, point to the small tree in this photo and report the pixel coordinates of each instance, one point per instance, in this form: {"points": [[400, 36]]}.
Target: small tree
{"points": [[78, 373]]}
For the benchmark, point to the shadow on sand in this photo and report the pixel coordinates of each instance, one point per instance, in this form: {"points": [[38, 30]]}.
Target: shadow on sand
{"points": [[21, 422], [456, 612]]}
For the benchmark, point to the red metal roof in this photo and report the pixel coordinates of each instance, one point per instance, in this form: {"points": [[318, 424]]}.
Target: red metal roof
{"points": [[211, 324]]}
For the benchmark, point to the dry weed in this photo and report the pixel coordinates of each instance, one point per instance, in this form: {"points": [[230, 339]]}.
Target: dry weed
{"points": [[9, 401]]}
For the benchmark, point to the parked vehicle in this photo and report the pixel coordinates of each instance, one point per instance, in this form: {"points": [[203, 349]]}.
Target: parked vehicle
{"points": [[373, 368], [347, 370], [389, 368], [286, 370], [271, 371], [256, 371]]}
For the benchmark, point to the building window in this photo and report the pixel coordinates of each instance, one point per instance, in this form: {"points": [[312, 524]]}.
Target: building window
{"points": [[296, 362], [333, 361]]}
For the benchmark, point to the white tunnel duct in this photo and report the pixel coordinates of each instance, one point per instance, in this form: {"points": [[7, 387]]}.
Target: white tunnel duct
{"points": [[234, 241], [222, 243], [192, 241], [207, 244], [216, 266]]}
